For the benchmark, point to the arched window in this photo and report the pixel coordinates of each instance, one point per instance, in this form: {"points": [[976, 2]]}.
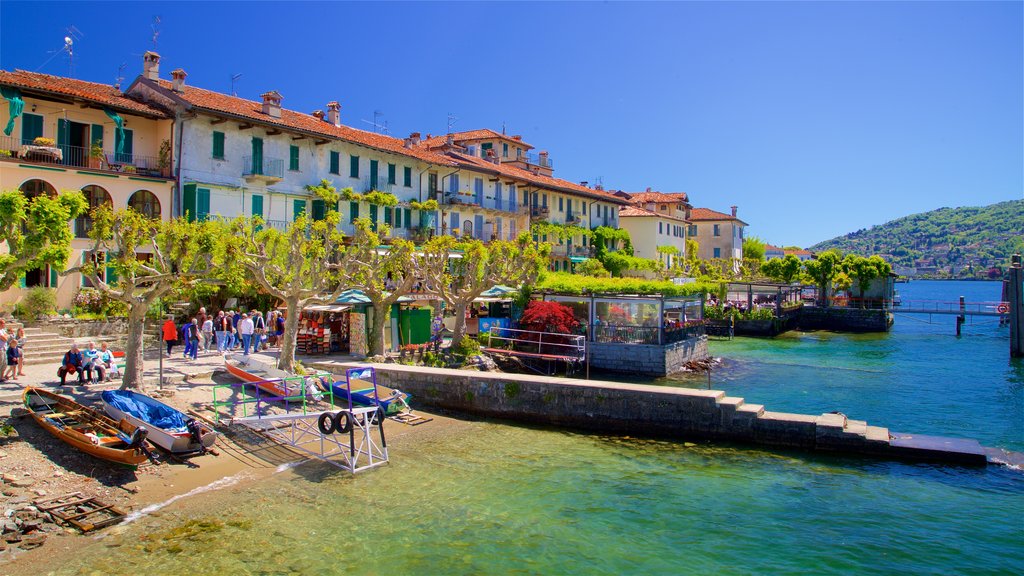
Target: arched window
{"points": [[35, 187], [96, 197], [146, 203], [467, 228]]}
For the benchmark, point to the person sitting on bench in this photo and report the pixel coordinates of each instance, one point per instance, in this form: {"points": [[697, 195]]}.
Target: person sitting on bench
{"points": [[91, 363], [71, 364]]}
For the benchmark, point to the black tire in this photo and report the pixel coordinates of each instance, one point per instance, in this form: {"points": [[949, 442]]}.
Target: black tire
{"points": [[378, 416], [325, 423], [342, 423]]}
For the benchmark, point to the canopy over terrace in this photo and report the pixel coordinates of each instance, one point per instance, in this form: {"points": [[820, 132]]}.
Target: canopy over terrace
{"points": [[635, 319], [751, 295]]}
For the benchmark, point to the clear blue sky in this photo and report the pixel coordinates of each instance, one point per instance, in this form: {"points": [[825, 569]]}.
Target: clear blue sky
{"points": [[816, 119]]}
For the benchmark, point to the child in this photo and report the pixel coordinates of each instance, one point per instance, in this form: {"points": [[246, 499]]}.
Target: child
{"points": [[21, 351], [13, 355]]}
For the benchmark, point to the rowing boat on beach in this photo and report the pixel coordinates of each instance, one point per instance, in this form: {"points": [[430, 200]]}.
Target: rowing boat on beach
{"points": [[168, 428], [269, 379], [366, 392], [87, 429]]}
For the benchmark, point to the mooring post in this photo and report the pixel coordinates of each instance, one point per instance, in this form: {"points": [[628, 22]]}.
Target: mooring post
{"points": [[960, 318], [1015, 295]]}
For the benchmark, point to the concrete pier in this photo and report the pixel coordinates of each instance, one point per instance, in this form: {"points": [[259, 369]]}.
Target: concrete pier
{"points": [[639, 409]]}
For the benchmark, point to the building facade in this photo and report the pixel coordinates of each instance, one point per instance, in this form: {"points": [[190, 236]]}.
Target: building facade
{"points": [[657, 219], [718, 235], [95, 140]]}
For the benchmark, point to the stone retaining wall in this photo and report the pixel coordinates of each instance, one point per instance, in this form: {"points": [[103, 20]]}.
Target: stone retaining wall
{"points": [[845, 319], [648, 360], [72, 328]]}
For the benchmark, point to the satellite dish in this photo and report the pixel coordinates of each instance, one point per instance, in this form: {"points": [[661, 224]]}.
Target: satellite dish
{"points": [[67, 40]]}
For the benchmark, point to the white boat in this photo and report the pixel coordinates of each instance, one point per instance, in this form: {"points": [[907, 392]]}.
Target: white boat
{"points": [[168, 428]]}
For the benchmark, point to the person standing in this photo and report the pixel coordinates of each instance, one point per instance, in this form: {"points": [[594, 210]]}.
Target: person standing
{"points": [[4, 337], [223, 325], [20, 337], [234, 323], [193, 338], [13, 352], [279, 332], [185, 330], [170, 331], [245, 330], [259, 330], [201, 317], [207, 334]]}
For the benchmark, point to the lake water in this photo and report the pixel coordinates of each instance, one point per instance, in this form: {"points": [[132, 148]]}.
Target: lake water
{"points": [[509, 499]]}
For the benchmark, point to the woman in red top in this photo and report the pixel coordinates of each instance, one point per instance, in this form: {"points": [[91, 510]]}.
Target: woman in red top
{"points": [[170, 330]]}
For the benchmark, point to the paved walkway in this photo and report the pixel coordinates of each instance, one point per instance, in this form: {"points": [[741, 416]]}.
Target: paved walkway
{"points": [[175, 370]]}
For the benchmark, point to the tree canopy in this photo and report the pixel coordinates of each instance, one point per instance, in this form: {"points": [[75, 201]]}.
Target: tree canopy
{"points": [[35, 232]]}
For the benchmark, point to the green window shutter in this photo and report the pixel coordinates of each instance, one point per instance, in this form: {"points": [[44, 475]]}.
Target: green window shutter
{"points": [[373, 217], [407, 177], [62, 137], [335, 162], [218, 145], [353, 166], [111, 271], [387, 215], [97, 135], [408, 218], [53, 277], [398, 217], [31, 127], [391, 174], [293, 158], [190, 202], [353, 211], [257, 155], [202, 203], [319, 210], [298, 209], [129, 146], [257, 205], [373, 174]]}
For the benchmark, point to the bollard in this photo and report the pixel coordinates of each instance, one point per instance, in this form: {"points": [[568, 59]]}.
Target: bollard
{"points": [[1015, 296], [960, 318]]}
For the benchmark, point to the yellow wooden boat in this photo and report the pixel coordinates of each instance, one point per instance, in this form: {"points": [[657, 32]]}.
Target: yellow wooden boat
{"points": [[87, 429]]}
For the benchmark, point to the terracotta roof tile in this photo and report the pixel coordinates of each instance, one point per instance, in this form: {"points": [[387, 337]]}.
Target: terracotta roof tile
{"points": [[636, 211], [658, 197], [709, 214], [215, 102], [103, 94], [469, 135]]}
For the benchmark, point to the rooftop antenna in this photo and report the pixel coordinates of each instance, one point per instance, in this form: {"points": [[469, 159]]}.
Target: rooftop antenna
{"points": [[451, 121], [120, 76], [380, 128], [156, 30], [502, 127], [67, 48], [234, 78]]}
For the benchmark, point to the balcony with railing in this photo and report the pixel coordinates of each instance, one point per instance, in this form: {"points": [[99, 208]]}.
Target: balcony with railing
{"points": [[266, 170], [539, 212], [17, 150]]}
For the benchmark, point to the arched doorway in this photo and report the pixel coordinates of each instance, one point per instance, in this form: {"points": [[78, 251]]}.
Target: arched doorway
{"points": [[146, 203], [36, 187], [96, 196]]}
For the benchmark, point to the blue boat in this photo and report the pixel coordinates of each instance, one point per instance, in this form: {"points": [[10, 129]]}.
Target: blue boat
{"points": [[361, 389], [168, 428]]}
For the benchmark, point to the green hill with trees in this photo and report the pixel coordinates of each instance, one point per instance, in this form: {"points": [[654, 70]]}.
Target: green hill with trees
{"points": [[966, 242]]}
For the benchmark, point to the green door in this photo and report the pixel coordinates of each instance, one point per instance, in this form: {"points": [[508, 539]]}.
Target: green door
{"points": [[202, 204], [257, 205], [373, 217], [319, 210], [63, 129], [298, 209], [190, 201], [373, 174], [31, 127], [353, 211]]}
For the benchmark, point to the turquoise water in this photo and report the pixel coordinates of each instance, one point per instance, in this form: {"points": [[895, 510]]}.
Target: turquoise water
{"points": [[500, 499]]}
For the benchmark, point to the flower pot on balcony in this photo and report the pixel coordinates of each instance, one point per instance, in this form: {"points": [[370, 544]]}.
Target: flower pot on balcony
{"points": [[95, 163]]}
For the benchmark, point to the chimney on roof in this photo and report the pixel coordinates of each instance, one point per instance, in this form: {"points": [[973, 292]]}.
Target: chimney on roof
{"points": [[733, 211], [272, 103], [517, 137], [648, 189], [151, 65], [178, 84], [450, 141], [584, 183], [412, 140], [334, 112], [318, 114]]}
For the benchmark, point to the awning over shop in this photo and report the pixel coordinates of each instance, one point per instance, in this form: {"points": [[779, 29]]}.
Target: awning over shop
{"points": [[577, 259], [357, 297], [326, 308]]}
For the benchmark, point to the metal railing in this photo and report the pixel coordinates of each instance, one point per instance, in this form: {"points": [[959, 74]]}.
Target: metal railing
{"points": [[539, 212], [25, 151], [537, 160], [647, 334], [533, 342], [277, 224], [272, 167]]}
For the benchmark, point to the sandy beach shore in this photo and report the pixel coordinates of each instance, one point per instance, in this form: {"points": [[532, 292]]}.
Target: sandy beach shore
{"points": [[41, 466]]}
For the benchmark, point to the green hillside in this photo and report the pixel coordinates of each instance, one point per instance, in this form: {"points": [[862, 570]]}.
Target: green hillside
{"points": [[957, 242]]}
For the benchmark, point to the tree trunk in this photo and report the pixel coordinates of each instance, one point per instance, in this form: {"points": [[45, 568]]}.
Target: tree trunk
{"points": [[376, 340], [133, 368], [286, 361], [459, 332]]}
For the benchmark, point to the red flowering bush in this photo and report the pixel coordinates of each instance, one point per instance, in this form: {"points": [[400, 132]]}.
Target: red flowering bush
{"points": [[543, 316]]}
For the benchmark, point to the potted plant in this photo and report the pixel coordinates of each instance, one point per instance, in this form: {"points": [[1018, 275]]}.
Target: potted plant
{"points": [[164, 161], [42, 141], [96, 155]]}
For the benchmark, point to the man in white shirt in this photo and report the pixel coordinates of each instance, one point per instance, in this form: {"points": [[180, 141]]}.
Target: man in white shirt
{"points": [[245, 330]]}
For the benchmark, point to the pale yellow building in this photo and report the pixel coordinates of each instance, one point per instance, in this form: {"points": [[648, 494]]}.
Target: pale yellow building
{"points": [[718, 235], [104, 144]]}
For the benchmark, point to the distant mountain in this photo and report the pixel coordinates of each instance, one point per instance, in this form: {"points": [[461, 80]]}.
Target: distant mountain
{"points": [[944, 243]]}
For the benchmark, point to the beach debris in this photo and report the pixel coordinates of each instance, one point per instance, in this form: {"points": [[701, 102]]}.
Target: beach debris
{"points": [[82, 512]]}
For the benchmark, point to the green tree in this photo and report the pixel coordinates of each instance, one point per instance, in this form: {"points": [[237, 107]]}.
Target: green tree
{"points": [[149, 258], [477, 267], [35, 232], [823, 271], [307, 263], [592, 267], [785, 270], [863, 271], [753, 248]]}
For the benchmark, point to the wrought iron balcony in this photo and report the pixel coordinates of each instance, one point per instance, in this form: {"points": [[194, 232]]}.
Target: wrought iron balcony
{"points": [[267, 170], [539, 212], [13, 148]]}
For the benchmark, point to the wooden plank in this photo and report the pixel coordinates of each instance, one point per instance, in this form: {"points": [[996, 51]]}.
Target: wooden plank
{"points": [[89, 512]]}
